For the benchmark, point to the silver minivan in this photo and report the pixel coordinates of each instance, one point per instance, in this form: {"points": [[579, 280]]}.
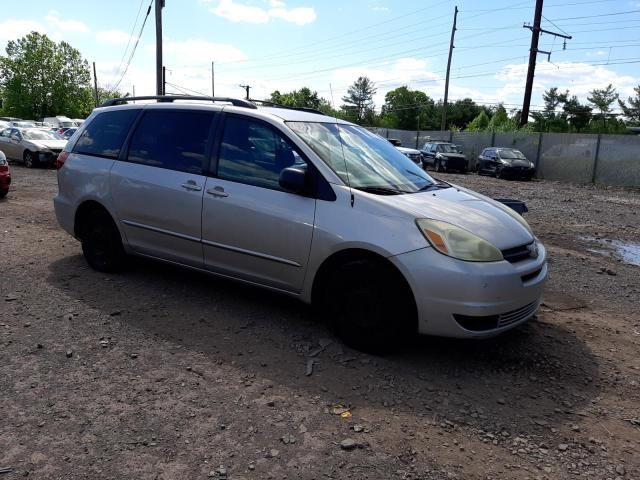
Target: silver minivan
{"points": [[303, 204]]}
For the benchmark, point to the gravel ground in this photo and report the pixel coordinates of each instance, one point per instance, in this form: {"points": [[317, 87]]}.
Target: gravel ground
{"points": [[162, 373]]}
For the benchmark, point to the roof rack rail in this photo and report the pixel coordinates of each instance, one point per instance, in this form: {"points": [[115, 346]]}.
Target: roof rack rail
{"points": [[268, 103], [170, 98]]}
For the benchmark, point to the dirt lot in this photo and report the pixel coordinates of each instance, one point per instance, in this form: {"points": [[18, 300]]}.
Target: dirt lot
{"points": [[161, 373]]}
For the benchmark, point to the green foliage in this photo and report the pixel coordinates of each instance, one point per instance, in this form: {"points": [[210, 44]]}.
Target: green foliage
{"points": [[358, 102], [602, 100], [408, 110], [631, 108], [577, 115], [42, 78], [480, 123]]}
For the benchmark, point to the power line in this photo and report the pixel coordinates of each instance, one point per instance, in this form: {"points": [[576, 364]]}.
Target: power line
{"points": [[594, 16], [124, 54], [135, 46]]}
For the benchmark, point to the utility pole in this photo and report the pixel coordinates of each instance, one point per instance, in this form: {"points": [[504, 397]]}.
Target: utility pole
{"points": [[95, 84], [213, 85], [443, 125], [247, 88], [164, 80], [134, 93], [533, 55], [159, 67]]}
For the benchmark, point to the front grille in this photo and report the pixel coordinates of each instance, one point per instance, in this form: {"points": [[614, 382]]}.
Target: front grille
{"points": [[530, 276], [414, 156], [491, 322], [517, 254], [517, 315]]}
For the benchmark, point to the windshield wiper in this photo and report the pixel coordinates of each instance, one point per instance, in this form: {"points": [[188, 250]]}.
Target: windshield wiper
{"points": [[435, 186], [381, 190]]}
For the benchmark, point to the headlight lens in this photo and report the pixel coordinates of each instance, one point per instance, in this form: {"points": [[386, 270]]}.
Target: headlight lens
{"points": [[457, 242], [505, 162]]}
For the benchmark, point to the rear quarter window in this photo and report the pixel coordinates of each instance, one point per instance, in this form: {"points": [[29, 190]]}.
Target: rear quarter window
{"points": [[106, 133]]}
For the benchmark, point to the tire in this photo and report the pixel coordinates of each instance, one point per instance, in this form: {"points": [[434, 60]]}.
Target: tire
{"points": [[30, 161], [3, 193], [369, 306], [101, 243], [499, 173]]}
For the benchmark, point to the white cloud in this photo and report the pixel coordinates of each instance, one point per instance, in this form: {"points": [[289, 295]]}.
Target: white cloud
{"points": [[239, 12], [65, 25], [114, 37], [14, 29], [380, 9], [201, 52]]}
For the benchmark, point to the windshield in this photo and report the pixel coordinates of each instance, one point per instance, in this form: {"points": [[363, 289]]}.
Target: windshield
{"points": [[362, 159], [39, 135], [447, 148], [511, 154]]}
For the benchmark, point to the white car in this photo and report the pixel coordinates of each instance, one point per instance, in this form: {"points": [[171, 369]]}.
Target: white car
{"points": [[413, 154], [313, 207]]}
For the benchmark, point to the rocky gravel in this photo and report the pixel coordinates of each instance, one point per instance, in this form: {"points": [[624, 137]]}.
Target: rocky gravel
{"points": [[162, 373]]}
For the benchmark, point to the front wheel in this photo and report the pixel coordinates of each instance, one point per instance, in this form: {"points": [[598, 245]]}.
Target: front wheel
{"points": [[101, 243], [30, 159], [368, 306], [3, 192]]}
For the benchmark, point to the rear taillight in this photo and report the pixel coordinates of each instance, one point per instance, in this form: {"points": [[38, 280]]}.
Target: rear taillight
{"points": [[61, 159]]}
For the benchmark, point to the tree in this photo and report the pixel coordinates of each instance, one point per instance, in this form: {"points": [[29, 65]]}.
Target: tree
{"points": [[500, 121], [632, 110], [408, 109], [480, 123], [578, 115], [602, 99], [462, 112], [358, 102], [302, 98], [43, 78]]}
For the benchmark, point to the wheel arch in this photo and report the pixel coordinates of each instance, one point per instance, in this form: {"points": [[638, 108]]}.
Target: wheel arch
{"points": [[341, 257], [82, 214]]}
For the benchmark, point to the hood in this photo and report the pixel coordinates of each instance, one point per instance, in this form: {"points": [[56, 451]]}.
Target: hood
{"points": [[453, 155], [413, 151], [49, 144], [479, 215]]}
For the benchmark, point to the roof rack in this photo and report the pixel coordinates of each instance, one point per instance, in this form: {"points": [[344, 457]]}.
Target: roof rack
{"points": [[268, 103], [171, 98]]}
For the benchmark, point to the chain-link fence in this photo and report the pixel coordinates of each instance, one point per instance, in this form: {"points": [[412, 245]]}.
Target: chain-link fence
{"points": [[566, 157]]}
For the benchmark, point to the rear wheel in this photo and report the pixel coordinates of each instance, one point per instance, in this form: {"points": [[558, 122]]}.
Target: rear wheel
{"points": [[30, 159], [370, 306], [101, 242]]}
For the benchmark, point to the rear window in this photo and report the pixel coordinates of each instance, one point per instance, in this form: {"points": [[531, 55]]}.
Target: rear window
{"points": [[106, 133]]}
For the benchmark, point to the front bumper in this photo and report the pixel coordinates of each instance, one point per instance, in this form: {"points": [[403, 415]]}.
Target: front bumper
{"points": [[471, 299], [455, 163], [518, 171]]}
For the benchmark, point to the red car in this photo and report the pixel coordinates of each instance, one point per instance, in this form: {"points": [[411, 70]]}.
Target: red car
{"points": [[5, 176]]}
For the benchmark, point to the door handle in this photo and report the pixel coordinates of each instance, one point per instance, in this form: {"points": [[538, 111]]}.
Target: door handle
{"points": [[191, 185], [217, 192]]}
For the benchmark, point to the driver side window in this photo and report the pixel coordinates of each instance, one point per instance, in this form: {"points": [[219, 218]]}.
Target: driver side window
{"points": [[253, 153]]}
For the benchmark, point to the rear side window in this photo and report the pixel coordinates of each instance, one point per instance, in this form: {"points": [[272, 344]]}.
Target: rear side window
{"points": [[172, 139], [105, 135]]}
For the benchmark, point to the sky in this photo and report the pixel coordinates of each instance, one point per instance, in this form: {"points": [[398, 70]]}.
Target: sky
{"points": [[327, 44]]}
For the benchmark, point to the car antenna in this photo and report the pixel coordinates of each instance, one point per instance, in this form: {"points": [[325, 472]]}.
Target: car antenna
{"points": [[346, 169]]}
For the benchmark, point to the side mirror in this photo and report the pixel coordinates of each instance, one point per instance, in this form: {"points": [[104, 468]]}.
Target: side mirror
{"points": [[293, 179]]}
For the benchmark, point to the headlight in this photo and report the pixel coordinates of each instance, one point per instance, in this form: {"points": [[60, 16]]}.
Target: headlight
{"points": [[505, 162], [457, 242]]}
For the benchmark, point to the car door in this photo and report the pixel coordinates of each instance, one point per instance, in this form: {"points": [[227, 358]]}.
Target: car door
{"points": [[5, 142], [14, 144], [157, 188], [251, 228]]}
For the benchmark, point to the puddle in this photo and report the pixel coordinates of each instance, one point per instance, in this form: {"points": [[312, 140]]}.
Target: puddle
{"points": [[628, 252]]}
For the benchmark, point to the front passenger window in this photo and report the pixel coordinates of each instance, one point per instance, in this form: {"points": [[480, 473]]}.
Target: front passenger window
{"points": [[254, 153]]}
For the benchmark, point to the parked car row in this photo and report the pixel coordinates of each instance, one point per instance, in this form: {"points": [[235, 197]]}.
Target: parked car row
{"points": [[442, 156], [31, 146]]}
